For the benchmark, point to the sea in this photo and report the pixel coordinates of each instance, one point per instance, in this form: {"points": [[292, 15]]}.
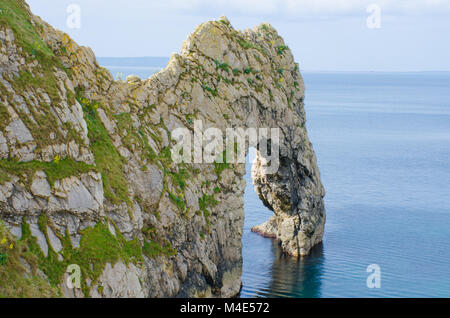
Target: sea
{"points": [[383, 147]]}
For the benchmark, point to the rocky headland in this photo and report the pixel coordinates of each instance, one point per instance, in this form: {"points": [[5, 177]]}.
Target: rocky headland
{"points": [[87, 178]]}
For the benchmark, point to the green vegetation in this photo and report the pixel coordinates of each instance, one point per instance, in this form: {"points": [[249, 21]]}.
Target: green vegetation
{"points": [[186, 95], [206, 202], [152, 249], [133, 138], [212, 91], [3, 259], [148, 152], [98, 246], [4, 114], [15, 16], [107, 158], [246, 45], [222, 66], [27, 79], [206, 183], [281, 49], [271, 96], [165, 157], [129, 138], [290, 99], [178, 200], [55, 170], [14, 282], [224, 21], [190, 118], [219, 167], [179, 178], [149, 232]]}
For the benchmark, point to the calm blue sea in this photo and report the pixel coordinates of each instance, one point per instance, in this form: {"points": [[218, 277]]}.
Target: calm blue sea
{"points": [[383, 147]]}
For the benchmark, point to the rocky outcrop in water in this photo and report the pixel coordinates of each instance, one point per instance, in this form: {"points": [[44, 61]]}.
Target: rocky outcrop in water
{"points": [[87, 176]]}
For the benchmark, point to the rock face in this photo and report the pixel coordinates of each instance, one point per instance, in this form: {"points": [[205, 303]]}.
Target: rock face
{"points": [[87, 176]]}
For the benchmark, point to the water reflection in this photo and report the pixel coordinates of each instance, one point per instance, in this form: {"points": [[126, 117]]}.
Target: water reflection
{"points": [[295, 278], [267, 271]]}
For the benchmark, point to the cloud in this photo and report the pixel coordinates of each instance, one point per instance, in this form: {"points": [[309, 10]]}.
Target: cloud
{"points": [[256, 8], [308, 7]]}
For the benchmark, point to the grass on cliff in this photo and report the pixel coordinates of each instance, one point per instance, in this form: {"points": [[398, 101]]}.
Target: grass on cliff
{"points": [[15, 281], [55, 170], [152, 249], [108, 160], [178, 201], [206, 202], [133, 138], [219, 167], [14, 15], [179, 178], [98, 246]]}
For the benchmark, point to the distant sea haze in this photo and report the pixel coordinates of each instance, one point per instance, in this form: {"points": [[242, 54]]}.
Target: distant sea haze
{"points": [[383, 146], [134, 61], [144, 67]]}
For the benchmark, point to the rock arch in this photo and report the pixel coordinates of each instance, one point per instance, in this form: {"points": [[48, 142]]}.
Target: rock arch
{"points": [[250, 79], [295, 192]]}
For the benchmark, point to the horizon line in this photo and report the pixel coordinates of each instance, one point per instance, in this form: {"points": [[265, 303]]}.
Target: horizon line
{"points": [[302, 70]]}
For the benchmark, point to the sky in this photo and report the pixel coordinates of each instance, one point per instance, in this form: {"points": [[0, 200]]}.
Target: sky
{"points": [[324, 35]]}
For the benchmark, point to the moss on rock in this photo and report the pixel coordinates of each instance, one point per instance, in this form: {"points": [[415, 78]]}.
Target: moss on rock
{"points": [[98, 246], [55, 170], [108, 160], [15, 279]]}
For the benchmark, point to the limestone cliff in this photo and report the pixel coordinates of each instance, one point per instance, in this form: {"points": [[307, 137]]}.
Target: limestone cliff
{"points": [[87, 178]]}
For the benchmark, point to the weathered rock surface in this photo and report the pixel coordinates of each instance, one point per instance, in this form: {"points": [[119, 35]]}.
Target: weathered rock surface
{"points": [[85, 160]]}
